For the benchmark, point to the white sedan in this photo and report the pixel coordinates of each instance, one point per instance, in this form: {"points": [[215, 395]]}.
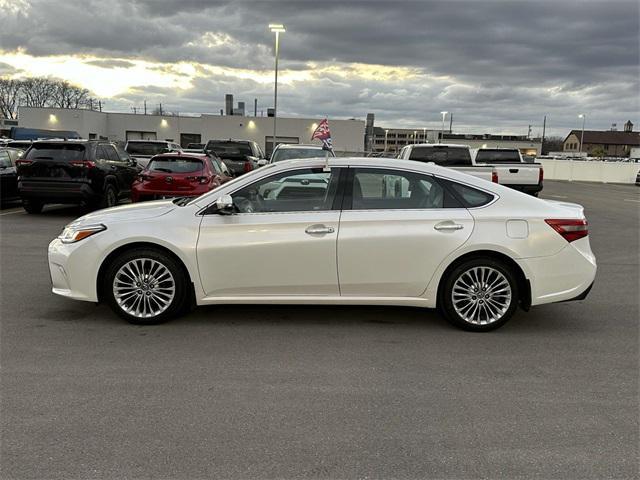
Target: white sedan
{"points": [[351, 231]]}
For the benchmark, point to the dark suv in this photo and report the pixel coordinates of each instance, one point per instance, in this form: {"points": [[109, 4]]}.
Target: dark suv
{"points": [[90, 173], [240, 156]]}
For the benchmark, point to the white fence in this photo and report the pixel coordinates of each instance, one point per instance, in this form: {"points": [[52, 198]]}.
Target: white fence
{"points": [[590, 171]]}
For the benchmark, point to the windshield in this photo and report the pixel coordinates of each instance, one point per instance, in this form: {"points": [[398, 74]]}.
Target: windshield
{"points": [[175, 165], [226, 149], [444, 155], [5, 161], [62, 152], [140, 148], [289, 153], [498, 156]]}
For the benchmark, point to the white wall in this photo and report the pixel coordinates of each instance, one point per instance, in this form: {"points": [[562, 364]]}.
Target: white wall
{"points": [[590, 171], [82, 121]]}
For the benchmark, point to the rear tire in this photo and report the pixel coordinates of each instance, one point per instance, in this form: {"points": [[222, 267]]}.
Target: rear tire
{"points": [[479, 295], [146, 286], [32, 206]]}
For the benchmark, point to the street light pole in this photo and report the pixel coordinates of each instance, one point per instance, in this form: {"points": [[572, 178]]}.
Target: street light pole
{"points": [[276, 28], [386, 132], [444, 115], [424, 134], [583, 117]]}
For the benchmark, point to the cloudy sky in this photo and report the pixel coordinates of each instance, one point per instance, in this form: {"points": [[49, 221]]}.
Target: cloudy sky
{"points": [[497, 65]]}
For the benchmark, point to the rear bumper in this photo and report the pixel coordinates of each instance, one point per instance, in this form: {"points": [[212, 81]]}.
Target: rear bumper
{"points": [[57, 192], [530, 189], [568, 275], [141, 195]]}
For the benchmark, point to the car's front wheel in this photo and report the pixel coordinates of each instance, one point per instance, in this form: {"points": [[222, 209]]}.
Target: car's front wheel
{"points": [[145, 286], [480, 294], [32, 206]]}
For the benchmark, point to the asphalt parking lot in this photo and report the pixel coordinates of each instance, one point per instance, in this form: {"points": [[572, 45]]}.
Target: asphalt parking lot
{"points": [[322, 392]]}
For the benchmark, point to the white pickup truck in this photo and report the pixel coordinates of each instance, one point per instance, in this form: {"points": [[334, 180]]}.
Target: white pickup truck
{"points": [[501, 165]]}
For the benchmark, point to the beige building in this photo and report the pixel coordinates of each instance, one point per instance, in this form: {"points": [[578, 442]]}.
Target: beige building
{"points": [[608, 143], [347, 135]]}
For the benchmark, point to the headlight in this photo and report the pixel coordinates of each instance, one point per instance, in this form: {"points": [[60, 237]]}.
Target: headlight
{"points": [[75, 233]]}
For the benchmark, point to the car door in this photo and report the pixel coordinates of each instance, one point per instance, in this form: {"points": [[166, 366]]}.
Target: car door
{"points": [[281, 240], [397, 226], [119, 168]]}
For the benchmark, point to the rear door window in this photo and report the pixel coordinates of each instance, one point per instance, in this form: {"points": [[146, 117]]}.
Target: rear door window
{"points": [[497, 156], [60, 152], [442, 155], [5, 159]]}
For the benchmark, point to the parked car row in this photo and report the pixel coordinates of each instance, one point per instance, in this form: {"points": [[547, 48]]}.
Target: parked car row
{"points": [[99, 173], [499, 165]]}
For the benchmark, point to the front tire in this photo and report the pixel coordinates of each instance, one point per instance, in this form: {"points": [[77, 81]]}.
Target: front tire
{"points": [[146, 286], [109, 197], [32, 206], [480, 295]]}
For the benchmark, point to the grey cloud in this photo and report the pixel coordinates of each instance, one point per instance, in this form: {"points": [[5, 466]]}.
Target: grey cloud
{"points": [[518, 60]]}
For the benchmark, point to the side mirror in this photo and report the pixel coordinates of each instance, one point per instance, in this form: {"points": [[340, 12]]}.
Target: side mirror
{"points": [[223, 205], [262, 162]]}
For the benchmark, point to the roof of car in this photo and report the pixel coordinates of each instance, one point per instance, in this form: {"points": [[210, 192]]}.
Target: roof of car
{"points": [[200, 156], [307, 146], [440, 145], [149, 141]]}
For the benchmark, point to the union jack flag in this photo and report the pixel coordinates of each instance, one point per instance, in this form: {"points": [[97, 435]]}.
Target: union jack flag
{"points": [[323, 134]]}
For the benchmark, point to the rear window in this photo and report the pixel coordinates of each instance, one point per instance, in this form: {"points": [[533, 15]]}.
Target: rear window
{"points": [[497, 156], [471, 197], [150, 149], [61, 152], [289, 153], [445, 156], [175, 165], [232, 150]]}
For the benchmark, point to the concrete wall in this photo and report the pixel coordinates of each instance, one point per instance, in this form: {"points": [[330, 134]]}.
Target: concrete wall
{"points": [[348, 135], [590, 171]]}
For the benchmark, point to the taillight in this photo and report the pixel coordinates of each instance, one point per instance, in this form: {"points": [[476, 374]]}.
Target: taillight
{"points": [[248, 166], [142, 177], [23, 162], [540, 175], [202, 180], [570, 229], [83, 163], [494, 176]]}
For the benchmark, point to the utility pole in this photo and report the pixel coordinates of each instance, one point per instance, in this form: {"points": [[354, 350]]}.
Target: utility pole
{"points": [[135, 110], [255, 107], [145, 107], [450, 122], [529, 133], [100, 104], [544, 131], [161, 109]]}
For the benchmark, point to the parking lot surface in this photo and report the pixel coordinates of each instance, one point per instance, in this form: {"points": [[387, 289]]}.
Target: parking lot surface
{"points": [[322, 392]]}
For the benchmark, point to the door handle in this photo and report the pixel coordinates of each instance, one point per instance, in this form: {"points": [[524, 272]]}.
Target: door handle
{"points": [[319, 230], [448, 226]]}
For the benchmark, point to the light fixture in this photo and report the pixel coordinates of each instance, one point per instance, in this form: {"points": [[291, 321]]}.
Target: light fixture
{"points": [[164, 123], [53, 118], [314, 126], [251, 125], [277, 27]]}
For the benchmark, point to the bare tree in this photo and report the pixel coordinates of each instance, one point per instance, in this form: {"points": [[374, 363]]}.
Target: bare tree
{"points": [[37, 92], [66, 95], [9, 97]]}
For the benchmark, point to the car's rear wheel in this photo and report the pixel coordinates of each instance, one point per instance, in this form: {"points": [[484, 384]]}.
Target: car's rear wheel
{"points": [[146, 286], [480, 294], [32, 206]]}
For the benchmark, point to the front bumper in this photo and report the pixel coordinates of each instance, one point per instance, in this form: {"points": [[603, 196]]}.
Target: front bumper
{"points": [[73, 276]]}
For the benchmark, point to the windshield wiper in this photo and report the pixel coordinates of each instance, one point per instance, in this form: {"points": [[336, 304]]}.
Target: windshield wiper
{"points": [[181, 201]]}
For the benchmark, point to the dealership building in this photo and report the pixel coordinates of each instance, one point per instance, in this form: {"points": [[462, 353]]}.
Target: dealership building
{"points": [[347, 135]]}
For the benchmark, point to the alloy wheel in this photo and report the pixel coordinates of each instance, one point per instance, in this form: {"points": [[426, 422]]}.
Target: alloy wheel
{"points": [[481, 295], [144, 288]]}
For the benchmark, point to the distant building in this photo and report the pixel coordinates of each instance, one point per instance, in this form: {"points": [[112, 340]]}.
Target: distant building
{"points": [[347, 134], [393, 139], [610, 142]]}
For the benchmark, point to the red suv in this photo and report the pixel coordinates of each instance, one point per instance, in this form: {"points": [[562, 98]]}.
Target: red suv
{"points": [[179, 175]]}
